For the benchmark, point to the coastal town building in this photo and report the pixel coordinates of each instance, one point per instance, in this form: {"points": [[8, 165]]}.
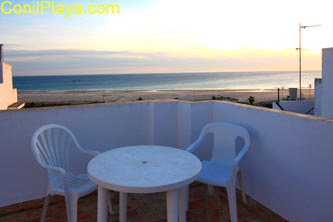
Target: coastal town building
{"points": [[324, 86], [8, 95], [322, 104]]}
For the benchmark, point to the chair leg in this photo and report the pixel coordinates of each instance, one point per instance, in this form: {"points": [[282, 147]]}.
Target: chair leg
{"points": [[74, 201], [231, 190], [241, 185], [46, 204], [210, 189], [71, 207], [110, 203]]}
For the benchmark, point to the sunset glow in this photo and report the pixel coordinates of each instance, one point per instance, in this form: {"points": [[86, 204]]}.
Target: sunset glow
{"points": [[170, 36]]}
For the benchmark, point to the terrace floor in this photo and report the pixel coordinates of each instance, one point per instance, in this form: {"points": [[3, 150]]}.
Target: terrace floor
{"points": [[145, 208]]}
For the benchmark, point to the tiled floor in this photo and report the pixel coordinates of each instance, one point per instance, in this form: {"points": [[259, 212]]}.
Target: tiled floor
{"points": [[145, 208]]}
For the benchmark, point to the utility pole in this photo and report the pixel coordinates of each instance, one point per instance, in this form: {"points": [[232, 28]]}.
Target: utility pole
{"points": [[300, 62], [300, 55]]}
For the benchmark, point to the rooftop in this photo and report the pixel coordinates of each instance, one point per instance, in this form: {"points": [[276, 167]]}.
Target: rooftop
{"points": [[145, 207], [290, 156]]}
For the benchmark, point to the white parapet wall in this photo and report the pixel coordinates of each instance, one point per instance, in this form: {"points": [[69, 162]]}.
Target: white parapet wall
{"points": [[287, 168], [8, 95], [326, 101], [304, 106]]}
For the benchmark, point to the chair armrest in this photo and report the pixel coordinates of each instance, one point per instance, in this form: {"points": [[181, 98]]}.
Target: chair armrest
{"points": [[57, 169], [61, 171], [191, 148], [63, 175], [80, 148], [89, 152], [194, 146], [240, 155], [237, 159]]}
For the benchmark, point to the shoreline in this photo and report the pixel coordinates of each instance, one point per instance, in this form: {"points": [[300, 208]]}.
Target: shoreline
{"points": [[241, 95]]}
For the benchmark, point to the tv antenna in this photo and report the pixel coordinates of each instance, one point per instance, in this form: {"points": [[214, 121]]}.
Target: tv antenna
{"points": [[300, 55]]}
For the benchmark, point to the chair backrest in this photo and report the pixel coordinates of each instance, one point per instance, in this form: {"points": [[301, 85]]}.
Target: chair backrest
{"points": [[225, 135], [51, 145]]}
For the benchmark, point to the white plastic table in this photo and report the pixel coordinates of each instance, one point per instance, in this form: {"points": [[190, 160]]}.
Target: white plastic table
{"points": [[144, 169]]}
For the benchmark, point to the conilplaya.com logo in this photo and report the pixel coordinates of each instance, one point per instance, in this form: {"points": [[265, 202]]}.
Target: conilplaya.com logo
{"points": [[43, 7]]}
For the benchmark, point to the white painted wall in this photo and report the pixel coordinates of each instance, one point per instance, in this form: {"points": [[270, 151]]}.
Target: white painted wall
{"points": [[287, 166], [286, 169], [303, 106], [8, 95], [327, 83], [98, 128], [318, 96]]}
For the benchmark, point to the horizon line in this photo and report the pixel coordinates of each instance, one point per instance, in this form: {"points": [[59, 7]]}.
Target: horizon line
{"points": [[87, 74]]}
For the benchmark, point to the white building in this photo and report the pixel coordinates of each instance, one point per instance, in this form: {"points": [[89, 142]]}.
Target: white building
{"points": [[324, 86], [8, 95], [322, 105]]}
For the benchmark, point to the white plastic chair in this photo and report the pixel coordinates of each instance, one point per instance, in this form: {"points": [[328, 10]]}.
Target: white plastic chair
{"points": [[51, 146], [222, 170]]}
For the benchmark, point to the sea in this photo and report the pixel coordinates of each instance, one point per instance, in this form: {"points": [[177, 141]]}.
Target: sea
{"points": [[165, 81]]}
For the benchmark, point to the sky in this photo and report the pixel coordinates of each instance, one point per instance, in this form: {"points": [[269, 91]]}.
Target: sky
{"points": [[165, 36]]}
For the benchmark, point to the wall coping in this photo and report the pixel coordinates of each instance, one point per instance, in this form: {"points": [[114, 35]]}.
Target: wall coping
{"points": [[172, 101]]}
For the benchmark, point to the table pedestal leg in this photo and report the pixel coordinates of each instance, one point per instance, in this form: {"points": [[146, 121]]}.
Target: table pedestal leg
{"points": [[186, 194], [172, 205], [102, 211], [123, 207], [182, 204]]}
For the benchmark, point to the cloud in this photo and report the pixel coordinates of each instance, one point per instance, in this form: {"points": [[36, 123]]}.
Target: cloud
{"points": [[62, 62], [55, 52]]}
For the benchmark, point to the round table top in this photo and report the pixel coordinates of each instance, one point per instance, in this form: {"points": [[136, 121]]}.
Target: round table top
{"points": [[144, 169]]}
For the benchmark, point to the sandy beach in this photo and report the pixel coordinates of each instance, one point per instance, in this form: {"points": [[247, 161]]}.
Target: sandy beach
{"points": [[133, 95]]}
